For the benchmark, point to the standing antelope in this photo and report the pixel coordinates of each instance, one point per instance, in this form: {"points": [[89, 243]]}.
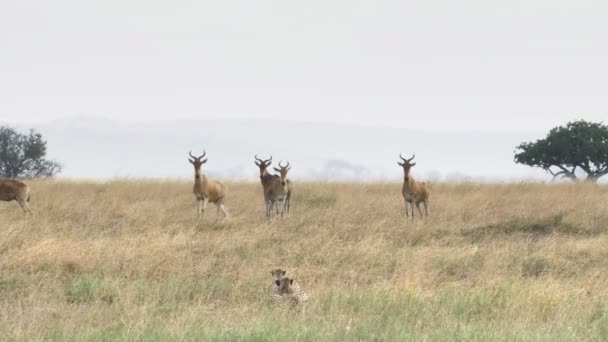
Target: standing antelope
{"points": [[283, 172], [413, 192], [12, 189], [265, 178], [277, 191], [206, 190]]}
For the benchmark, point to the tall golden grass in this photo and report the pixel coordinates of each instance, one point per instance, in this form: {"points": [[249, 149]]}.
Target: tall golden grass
{"points": [[127, 259]]}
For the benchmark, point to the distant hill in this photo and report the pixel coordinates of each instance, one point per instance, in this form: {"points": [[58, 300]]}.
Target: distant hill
{"points": [[99, 148]]}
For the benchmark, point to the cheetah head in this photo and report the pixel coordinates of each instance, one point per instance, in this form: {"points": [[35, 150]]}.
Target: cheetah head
{"points": [[284, 285], [278, 273]]}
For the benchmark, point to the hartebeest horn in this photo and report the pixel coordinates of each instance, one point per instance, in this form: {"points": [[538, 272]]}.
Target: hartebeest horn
{"points": [[287, 167], [195, 157], [407, 160], [264, 162]]}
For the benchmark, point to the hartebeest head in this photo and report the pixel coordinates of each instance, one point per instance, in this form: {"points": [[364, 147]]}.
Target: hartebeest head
{"points": [[196, 161], [282, 170], [407, 165], [263, 164]]}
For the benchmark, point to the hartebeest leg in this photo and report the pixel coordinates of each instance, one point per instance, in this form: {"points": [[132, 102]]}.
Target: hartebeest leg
{"points": [[426, 211], [407, 213], [203, 207], [418, 207], [199, 207], [268, 208], [26, 208], [223, 209], [288, 204]]}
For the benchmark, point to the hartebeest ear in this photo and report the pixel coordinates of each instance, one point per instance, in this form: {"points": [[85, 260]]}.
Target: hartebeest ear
{"points": [[277, 170], [413, 164], [283, 272], [191, 161], [401, 164], [257, 163], [203, 161]]}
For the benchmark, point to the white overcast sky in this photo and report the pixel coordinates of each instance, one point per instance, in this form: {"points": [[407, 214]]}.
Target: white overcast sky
{"points": [[480, 64]]}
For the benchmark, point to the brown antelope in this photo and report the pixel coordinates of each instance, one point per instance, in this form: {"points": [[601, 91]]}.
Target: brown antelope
{"points": [[14, 190], [413, 192], [277, 191], [206, 190], [265, 178], [283, 174]]}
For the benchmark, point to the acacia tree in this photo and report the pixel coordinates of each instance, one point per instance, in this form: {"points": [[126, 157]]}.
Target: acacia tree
{"points": [[22, 155], [580, 146]]}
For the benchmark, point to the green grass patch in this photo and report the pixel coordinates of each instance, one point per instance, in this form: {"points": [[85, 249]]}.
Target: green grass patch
{"points": [[531, 226], [87, 288]]}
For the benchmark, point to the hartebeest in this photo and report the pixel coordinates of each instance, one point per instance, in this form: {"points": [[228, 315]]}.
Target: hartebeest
{"points": [[265, 178], [14, 190], [413, 192], [277, 191], [283, 174], [206, 190]]}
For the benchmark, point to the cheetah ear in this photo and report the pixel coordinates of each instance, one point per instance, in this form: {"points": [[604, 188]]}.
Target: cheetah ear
{"points": [[277, 282], [291, 281]]}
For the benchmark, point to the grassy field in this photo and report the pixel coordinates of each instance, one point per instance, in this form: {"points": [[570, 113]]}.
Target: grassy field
{"points": [[127, 260]]}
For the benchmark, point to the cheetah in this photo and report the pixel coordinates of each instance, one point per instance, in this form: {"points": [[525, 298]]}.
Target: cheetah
{"points": [[290, 292], [277, 274]]}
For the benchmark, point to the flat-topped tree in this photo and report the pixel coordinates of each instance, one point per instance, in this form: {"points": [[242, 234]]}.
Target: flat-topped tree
{"points": [[23, 155], [567, 151]]}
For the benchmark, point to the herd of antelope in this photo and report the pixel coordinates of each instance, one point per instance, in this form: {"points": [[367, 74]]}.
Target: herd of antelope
{"points": [[278, 189]]}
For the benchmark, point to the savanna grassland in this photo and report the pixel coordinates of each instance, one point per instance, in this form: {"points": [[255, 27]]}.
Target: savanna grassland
{"points": [[127, 260]]}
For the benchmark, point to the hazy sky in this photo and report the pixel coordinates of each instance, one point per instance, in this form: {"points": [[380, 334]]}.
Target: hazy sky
{"points": [[446, 64]]}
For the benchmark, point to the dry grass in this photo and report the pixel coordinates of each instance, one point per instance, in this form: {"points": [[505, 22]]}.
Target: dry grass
{"points": [[127, 260]]}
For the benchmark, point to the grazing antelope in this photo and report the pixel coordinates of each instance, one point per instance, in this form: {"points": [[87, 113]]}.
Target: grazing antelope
{"points": [[12, 189], [206, 190], [413, 192], [277, 191]]}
